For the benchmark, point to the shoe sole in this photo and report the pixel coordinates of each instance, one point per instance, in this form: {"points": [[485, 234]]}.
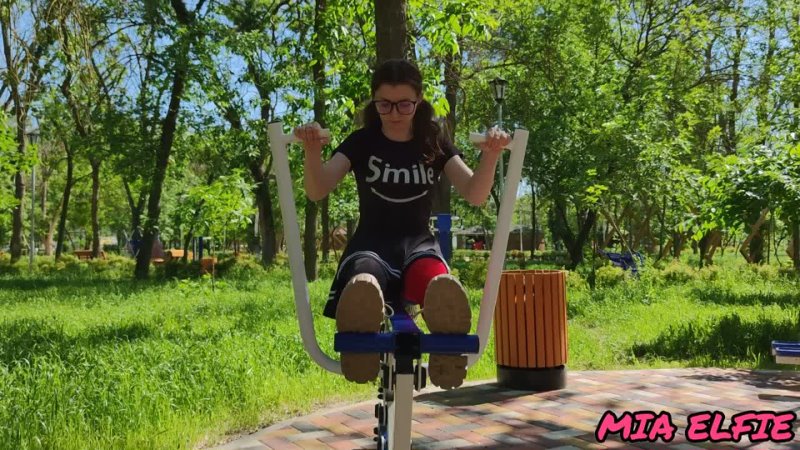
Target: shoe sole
{"points": [[447, 311], [360, 310]]}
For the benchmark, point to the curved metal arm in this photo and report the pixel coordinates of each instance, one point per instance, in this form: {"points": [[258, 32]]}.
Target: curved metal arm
{"points": [[498, 255], [278, 140]]}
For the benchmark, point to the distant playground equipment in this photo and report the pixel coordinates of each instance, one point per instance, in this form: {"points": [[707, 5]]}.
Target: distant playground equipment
{"points": [[402, 344], [625, 261]]}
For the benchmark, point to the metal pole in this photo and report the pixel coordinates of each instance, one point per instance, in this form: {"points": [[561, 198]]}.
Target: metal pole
{"points": [[33, 223], [521, 249], [500, 179]]}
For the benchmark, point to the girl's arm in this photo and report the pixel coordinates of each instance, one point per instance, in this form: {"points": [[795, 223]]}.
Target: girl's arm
{"points": [[320, 178], [475, 187]]}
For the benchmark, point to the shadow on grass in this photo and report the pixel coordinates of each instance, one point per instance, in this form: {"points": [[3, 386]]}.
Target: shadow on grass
{"points": [[79, 285], [25, 339], [722, 296], [727, 338]]}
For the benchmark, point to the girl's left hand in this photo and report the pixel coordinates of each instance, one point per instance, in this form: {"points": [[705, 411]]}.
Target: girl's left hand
{"points": [[496, 140]]}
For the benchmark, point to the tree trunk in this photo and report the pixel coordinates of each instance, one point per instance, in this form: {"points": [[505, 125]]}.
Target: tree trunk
{"points": [[575, 243], [136, 207], [16, 227], [326, 229], [95, 206], [11, 76], [162, 160], [51, 229], [310, 240], [703, 246], [757, 247], [729, 137], [266, 222], [796, 245], [48, 239], [62, 222], [677, 244], [391, 29], [318, 72], [749, 249]]}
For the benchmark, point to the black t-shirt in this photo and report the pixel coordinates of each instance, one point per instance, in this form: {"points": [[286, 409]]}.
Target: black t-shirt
{"points": [[395, 184]]}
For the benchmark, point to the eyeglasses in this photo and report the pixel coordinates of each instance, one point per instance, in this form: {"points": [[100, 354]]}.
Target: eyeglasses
{"points": [[404, 107]]}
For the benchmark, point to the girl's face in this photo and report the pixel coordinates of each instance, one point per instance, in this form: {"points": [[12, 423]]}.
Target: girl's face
{"points": [[396, 104]]}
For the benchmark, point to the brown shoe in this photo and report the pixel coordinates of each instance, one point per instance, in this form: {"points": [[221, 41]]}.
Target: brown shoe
{"points": [[446, 310], [360, 310]]}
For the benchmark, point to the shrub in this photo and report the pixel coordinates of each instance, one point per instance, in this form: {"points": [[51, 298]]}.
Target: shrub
{"points": [[328, 269], [243, 268], [575, 281], [678, 272], [765, 272], [178, 269], [709, 273], [609, 276], [473, 273]]}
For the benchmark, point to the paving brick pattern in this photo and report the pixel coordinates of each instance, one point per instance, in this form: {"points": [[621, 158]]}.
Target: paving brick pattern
{"points": [[485, 416]]}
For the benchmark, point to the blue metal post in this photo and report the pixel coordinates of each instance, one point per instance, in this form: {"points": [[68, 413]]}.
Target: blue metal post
{"points": [[444, 224]]}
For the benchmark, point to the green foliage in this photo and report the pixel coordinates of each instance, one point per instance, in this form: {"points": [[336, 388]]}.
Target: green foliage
{"points": [[471, 270], [678, 272], [222, 207], [243, 268], [609, 276], [727, 338]]}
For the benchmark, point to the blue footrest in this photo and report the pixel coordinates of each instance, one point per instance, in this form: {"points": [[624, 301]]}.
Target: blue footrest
{"points": [[403, 324], [386, 343]]}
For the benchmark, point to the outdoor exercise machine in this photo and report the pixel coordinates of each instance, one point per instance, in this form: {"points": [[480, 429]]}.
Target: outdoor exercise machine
{"points": [[400, 343]]}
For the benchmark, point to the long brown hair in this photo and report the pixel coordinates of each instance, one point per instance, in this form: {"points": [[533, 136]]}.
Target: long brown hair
{"points": [[426, 132]]}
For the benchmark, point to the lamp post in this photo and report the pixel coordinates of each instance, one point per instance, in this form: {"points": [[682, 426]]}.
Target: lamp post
{"points": [[499, 92], [33, 138]]}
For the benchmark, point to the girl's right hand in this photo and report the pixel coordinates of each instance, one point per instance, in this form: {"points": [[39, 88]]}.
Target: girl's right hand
{"points": [[309, 134]]}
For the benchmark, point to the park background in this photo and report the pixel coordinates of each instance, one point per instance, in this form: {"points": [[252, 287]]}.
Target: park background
{"points": [[666, 128]]}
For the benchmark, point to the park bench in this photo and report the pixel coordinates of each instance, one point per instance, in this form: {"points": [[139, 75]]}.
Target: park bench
{"points": [[85, 255], [175, 253], [786, 352]]}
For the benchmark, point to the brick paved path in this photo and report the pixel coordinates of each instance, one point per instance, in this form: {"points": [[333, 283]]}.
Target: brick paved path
{"points": [[484, 416]]}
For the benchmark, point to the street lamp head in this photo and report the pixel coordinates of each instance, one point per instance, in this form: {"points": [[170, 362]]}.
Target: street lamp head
{"points": [[33, 136], [499, 89]]}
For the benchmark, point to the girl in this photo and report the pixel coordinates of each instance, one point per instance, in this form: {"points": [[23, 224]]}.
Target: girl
{"points": [[397, 158]]}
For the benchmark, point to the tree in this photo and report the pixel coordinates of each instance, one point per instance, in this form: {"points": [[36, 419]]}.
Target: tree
{"points": [[391, 29], [26, 60], [186, 33]]}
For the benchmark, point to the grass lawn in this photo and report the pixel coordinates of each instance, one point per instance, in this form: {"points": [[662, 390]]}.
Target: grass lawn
{"points": [[94, 361]]}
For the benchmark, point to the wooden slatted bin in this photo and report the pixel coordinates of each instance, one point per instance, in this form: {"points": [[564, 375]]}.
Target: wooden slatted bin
{"points": [[530, 326]]}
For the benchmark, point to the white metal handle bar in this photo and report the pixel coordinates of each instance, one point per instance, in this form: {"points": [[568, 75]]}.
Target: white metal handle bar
{"points": [[498, 255], [280, 161], [480, 138], [289, 138]]}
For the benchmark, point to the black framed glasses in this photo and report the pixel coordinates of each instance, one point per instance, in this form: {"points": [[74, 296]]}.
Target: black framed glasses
{"points": [[404, 107]]}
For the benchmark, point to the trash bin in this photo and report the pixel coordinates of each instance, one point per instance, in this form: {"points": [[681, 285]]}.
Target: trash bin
{"points": [[531, 330]]}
